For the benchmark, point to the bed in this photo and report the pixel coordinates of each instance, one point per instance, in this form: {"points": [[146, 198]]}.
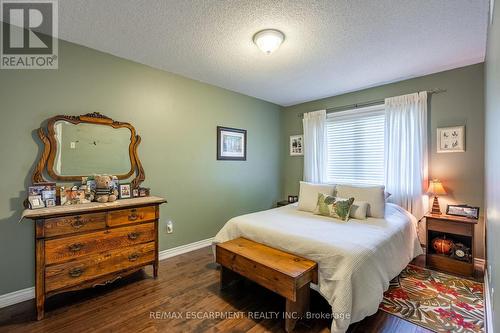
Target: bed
{"points": [[356, 259]]}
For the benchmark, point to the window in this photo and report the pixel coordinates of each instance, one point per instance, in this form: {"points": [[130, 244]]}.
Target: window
{"points": [[356, 146]]}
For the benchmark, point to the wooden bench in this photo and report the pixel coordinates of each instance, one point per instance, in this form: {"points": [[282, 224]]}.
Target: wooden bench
{"points": [[286, 274]]}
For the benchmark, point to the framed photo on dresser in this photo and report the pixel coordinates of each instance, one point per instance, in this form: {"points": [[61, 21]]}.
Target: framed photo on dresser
{"points": [[125, 191]]}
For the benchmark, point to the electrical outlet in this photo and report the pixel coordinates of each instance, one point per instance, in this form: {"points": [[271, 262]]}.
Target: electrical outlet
{"points": [[72, 145], [170, 227]]}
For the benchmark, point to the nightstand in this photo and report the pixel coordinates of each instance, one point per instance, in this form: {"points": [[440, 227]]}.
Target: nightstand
{"points": [[282, 203], [460, 230]]}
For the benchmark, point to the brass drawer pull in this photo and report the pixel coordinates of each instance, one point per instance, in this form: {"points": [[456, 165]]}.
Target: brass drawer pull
{"points": [[133, 257], [75, 247], [76, 272], [107, 282], [133, 215], [77, 223], [133, 235]]}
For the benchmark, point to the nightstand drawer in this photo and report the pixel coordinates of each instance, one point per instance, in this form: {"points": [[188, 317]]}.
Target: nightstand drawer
{"points": [[456, 228]]}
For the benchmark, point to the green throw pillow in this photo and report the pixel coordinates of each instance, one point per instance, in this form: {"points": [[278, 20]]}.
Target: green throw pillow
{"points": [[331, 206]]}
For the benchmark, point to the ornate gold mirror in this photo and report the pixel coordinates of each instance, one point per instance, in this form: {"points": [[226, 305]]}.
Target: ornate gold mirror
{"points": [[77, 146]]}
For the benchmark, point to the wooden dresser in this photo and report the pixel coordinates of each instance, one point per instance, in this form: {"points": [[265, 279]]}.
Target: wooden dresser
{"points": [[94, 244]]}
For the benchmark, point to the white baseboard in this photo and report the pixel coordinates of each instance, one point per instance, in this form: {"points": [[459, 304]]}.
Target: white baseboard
{"points": [[169, 253], [488, 316], [17, 297], [29, 293]]}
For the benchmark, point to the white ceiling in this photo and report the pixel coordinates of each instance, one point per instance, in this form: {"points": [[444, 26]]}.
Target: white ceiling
{"points": [[331, 47]]}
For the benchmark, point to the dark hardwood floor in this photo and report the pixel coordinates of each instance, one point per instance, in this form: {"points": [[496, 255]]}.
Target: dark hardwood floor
{"points": [[178, 301]]}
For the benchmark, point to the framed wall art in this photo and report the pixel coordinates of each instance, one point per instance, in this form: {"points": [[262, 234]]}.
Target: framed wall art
{"points": [[451, 139], [231, 144], [296, 145], [463, 210]]}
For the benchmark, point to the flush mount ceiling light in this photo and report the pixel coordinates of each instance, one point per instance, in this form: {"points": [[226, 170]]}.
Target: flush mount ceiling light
{"points": [[268, 40]]}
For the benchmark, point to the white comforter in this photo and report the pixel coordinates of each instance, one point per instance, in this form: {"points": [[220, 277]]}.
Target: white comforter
{"points": [[356, 259]]}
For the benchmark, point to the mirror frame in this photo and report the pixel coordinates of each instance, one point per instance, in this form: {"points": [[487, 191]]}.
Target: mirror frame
{"points": [[48, 137]]}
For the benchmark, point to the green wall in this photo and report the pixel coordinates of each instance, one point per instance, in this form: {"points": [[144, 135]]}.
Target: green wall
{"points": [[463, 104], [177, 119], [492, 181]]}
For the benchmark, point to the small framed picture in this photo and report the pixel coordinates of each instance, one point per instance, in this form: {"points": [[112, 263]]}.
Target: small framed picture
{"points": [[36, 201], [295, 198], [231, 144], [296, 145], [50, 202], [135, 192], [463, 210], [70, 196], [290, 198], [48, 194], [125, 191], [144, 192], [451, 139], [35, 190]]}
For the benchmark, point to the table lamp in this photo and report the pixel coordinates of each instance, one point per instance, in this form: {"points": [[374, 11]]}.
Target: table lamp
{"points": [[436, 189]]}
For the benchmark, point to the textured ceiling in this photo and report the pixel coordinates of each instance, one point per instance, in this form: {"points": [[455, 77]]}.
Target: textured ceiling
{"points": [[331, 47]]}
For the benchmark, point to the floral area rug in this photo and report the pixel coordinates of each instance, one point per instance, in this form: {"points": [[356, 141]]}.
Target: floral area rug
{"points": [[436, 301]]}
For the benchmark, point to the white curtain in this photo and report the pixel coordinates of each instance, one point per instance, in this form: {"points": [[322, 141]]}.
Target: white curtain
{"points": [[406, 154], [315, 146]]}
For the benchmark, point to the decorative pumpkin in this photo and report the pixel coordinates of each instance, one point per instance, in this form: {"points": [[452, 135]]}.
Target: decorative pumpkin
{"points": [[442, 245]]}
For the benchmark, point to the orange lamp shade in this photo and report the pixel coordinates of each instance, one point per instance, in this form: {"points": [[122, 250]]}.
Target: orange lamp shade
{"points": [[436, 188]]}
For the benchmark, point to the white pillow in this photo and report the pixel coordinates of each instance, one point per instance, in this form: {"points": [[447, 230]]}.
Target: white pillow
{"points": [[374, 195], [358, 209], [308, 195]]}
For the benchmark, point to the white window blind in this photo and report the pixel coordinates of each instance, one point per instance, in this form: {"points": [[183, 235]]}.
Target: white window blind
{"points": [[356, 146]]}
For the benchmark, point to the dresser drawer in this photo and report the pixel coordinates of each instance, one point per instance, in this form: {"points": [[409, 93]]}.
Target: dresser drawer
{"points": [[74, 223], [72, 247], [74, 272], [132, 215]]}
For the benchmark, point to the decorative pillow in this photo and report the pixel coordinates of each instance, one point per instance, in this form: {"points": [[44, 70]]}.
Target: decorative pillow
{"points": [[331, 206], [308, 195], [358, 210], [374, 195]]}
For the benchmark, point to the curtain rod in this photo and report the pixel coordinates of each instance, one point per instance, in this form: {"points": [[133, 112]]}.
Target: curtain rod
{"points": [[370, 103]]}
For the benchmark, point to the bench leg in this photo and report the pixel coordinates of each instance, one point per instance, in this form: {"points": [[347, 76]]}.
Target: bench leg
{"points": [[295, 310], [227, 277]]}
